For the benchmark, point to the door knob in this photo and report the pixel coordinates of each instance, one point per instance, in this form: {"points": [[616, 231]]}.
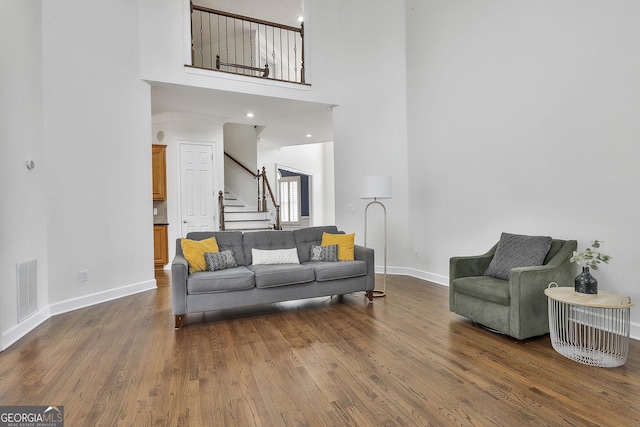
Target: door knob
{"points": [[185, 221]]}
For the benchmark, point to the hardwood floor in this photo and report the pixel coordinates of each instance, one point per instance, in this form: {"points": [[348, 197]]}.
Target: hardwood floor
{"points": [[403, 360]]}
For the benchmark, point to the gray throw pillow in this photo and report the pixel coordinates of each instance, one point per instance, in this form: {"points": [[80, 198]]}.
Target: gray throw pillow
{"points": [[516, 250], [220, 260], [324, 253]]}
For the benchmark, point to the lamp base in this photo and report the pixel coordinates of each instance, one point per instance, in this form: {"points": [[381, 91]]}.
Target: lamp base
{"points": [[378, 294]]}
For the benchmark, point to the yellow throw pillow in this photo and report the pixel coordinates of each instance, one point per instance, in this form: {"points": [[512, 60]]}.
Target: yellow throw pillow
{"points": [[344, 242], [194, 250]]}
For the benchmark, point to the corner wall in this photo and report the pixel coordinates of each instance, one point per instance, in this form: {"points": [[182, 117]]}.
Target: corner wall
{"points": [[241, 143], [23, 210], [97, 130], [365, 70], [86, 124]]}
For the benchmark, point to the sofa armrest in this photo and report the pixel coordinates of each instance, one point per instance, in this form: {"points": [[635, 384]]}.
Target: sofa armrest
{"points": [[179, 273], [528, 303], [469, 266], [367, 254]]}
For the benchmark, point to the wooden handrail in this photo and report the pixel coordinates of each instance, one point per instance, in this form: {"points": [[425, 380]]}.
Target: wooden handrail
{"points": [[241, 165], [221, 207], [265, 181], [244, 18]]}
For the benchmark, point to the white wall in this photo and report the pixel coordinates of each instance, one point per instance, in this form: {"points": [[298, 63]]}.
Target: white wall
{"points": [[365, 69], [312, 159], [97, 128], [86, 123], [523, 117], [23, 224], [241, 143]]}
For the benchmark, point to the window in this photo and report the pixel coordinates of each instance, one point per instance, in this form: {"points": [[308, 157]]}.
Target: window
{"points": [[290, 199]]}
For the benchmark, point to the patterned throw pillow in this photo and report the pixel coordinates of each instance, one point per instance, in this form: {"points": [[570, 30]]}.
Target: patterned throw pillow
{"points": [[324, 253], [517, 250], [220, 260]]}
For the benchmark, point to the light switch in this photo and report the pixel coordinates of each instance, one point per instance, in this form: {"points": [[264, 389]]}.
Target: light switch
{"points": [[155, 211]]}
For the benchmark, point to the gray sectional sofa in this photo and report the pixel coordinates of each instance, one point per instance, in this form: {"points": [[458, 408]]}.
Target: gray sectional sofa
{"points": [[249, 284]]}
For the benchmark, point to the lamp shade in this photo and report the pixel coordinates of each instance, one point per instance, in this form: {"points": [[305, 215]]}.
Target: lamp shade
{"points": [[376, 187]]}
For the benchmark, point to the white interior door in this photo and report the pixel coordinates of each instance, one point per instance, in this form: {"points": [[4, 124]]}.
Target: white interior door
{"points": [[198, 206]]}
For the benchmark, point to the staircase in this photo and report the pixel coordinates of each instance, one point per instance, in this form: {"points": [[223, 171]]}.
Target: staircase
{"points": [[234, 215], [238, 217]]}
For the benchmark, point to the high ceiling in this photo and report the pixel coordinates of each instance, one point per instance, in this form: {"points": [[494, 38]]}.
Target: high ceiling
{"points": [[285, 122]]}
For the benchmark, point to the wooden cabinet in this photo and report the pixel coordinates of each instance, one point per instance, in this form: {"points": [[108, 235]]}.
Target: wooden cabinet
{"points": [[160, 246], [159, 168]]}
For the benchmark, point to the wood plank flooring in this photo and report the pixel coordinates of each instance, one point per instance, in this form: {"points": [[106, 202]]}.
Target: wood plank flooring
{"points": [[403, 360]]}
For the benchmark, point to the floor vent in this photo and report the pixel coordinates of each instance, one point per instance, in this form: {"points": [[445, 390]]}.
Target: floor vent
{"points": [[27, 279]]}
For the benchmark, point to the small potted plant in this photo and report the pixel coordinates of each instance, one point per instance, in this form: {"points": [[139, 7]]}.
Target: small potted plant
{"points": [[585, 283]]}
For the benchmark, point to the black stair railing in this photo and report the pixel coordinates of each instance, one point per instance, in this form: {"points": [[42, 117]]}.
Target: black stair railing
{"points": [[237, 44]]}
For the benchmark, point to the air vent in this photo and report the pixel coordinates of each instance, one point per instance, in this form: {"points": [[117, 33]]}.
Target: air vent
{"points": [[27, 280]]}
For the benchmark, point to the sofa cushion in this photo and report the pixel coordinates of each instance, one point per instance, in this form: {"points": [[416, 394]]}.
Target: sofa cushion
{"points": [[516, 250], [232, 279], [324, 253], [274, 256], [307, 237], [553, 250], [227, 240], [267, 240], [345, 244], [269, 276], [220, 260], [232, 241], [483, 287], [194, 251], [326, 271]]}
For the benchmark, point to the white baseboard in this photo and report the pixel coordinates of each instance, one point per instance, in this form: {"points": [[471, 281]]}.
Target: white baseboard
{"points": [[100, 297], [418, 274], [635, 331], [21, 329], [444, 281]]}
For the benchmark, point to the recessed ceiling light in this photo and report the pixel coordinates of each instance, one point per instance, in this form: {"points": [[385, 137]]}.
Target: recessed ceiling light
{"points": [[309, 135], [250, 115]]}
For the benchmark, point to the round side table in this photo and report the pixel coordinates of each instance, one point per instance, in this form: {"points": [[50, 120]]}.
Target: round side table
{"points": [[590, 329]]}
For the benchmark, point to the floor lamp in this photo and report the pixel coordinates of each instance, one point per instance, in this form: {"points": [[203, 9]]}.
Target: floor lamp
{"points": [[377, 187]]}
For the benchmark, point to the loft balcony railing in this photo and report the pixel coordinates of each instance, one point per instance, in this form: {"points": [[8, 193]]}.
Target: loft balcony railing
{"points": [[236, 44]]}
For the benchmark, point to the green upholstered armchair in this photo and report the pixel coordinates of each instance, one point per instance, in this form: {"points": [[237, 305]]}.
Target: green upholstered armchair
{"points": [[516, 307]]}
